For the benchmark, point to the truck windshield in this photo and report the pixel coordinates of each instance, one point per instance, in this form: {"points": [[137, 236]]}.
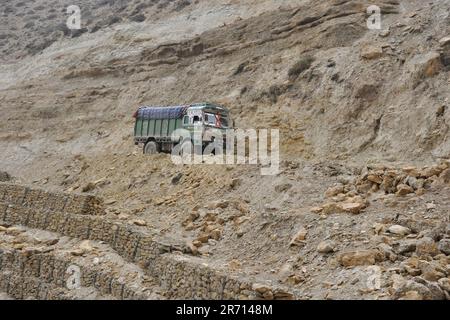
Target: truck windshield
{"points": [[224, 122], [210, 119], [216, 120]]}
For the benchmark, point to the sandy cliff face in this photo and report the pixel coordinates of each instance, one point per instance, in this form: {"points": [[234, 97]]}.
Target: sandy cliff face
{"points": [[343, 97], [364, 94]]}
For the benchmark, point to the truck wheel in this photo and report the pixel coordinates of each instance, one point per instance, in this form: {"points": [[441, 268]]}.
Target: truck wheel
{"points": [[151, 148], [186, 148]]}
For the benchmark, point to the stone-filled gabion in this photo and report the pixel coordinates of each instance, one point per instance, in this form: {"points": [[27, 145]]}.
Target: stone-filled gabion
{"points": [[43, 276]]}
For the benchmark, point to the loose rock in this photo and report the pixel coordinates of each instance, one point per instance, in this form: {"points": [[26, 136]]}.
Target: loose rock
{"points": [[444, 246], [371, 52], [444, 283], [403, 190], [353, 207], [426, 247], [299, 237], [419, 291], [359, 257], [141, 223], [399, 230], [326, 246]]}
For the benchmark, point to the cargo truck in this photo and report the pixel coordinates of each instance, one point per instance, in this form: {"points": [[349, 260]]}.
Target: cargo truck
{"points": [[154, 126]]}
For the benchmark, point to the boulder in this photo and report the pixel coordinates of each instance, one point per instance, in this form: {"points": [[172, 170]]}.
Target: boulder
{"points": [[399, 230], [375, 178], [280, 294], [334, 191], [326, 246], [370, 52], [261, 288], [411, 171], [424, 66], [403, 190], [444, 41], [429, 172], [387, 251], [140, 222], [406, 246], [331, 207], [444, 246], [360, 257], [352, 207], [426, 247], [299, 237], [216, 234], [444, 283], [431, 271], [419, 290]]}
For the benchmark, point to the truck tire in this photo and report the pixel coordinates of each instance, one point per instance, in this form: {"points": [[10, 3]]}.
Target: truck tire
{"points": [[151, 147], [186, 144]]}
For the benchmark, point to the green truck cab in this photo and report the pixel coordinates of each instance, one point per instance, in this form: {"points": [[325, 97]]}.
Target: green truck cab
{"points": [[154, 126]]}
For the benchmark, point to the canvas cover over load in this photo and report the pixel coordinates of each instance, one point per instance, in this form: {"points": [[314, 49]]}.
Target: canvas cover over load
{"points": [[149, 112]]}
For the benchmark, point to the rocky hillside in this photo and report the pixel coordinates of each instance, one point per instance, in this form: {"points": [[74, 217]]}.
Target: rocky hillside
{"points": [[32, 26], [363, 116]]}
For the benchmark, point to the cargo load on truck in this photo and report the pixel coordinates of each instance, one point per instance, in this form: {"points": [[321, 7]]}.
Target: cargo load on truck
{"points": [[161, 112]]}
